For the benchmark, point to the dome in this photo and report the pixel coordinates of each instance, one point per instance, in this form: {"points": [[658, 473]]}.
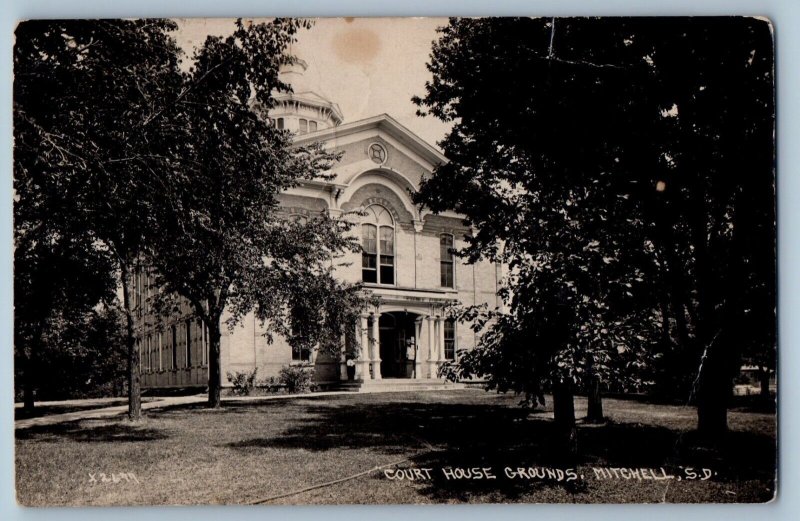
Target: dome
{"points": [[303, 110]]}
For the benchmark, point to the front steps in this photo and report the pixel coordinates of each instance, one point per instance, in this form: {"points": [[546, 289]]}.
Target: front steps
{"points": [[388, 385]]}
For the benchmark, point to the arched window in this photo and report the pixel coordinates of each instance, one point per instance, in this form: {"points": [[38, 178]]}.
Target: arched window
{"points": [[279, 123], [303, 126], [446, 260], [377, 246], [298, 218]]}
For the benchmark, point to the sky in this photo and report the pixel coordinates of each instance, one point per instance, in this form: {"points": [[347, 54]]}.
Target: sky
{"points": [[368, 66]]}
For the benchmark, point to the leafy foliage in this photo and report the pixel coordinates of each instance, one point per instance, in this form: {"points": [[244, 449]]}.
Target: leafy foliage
{"points": [[296, 379], [243, 382], [606, 162], [82, 159]]}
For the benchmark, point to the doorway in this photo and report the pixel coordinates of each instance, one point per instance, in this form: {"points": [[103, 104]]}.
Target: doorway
{"points": [[398, 341]]}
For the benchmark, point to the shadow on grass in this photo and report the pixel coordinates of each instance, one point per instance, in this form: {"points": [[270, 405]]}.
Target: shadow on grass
{"points": [[467, 436], [77, 431]]}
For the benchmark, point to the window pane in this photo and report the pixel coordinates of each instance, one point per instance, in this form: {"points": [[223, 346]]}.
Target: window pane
{"points": [[387, 274], [445, 247], [447, 274], [369, 261], [312, 126], [369, 275], [368, 242], [303, 126], [387, 240], [280, 123]]}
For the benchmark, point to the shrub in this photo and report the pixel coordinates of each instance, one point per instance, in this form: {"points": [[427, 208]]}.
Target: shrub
{"points": [[243, 381], [296, 379]]}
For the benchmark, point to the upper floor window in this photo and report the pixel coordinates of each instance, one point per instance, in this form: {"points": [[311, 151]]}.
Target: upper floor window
{"points": [[377, 245], [303, 126], [449, 339], [279, 123], [446, 256], [312, 126]]}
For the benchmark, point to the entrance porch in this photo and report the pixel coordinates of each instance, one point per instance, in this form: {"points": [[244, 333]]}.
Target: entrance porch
{"points": [[397, 341]]}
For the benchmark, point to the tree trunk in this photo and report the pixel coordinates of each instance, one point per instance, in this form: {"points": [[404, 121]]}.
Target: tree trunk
{"points": [[595, 398], [214, 363], [713, 393], [564, 416], [134, 383], [763, 376], [27, 383]]}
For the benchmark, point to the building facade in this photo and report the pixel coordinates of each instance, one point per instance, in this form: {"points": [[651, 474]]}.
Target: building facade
{"points": [[406, 262]]}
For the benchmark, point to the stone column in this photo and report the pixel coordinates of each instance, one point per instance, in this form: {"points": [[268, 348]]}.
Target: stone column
{"points": [[418, 341], [360, 359], [343, 359], [441, 339], [376, 346], [431, 348], [363, 354]]}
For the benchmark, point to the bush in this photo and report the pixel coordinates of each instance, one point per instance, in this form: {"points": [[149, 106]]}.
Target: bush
{"points": [[243, 381], [297, 379]]}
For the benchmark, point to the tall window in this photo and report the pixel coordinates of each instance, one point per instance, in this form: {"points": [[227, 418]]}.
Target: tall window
{"points": [[299, 354], [449, 339], [303, 126], [174, 331], [312, 126], [204, 333], [279, 123], [446, 256], [149, 353], [189, 343], [160, 352], [377, 244]]}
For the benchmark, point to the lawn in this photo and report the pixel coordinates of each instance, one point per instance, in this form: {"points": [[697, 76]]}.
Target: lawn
{"points": [[257, 452]]}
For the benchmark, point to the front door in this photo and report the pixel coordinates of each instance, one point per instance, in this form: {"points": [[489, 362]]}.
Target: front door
{"points": [[398, 345]]}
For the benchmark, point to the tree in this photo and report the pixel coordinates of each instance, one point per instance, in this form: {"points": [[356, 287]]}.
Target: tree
{"points": [[592, 161], [222, 243], [716, 212], [59, 280], [537, 147], [82, 93]]}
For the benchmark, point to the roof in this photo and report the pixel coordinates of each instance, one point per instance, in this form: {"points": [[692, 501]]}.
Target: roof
{"points": [[384, 123]]}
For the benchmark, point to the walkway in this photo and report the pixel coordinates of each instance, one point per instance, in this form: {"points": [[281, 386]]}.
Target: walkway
{"points": [[154, 403]]}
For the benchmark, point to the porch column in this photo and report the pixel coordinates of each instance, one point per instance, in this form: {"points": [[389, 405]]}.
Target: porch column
{"points": [[363, 354], [376, 347], [431, 348], [360, 359], [343, 359], [418, 340], [441, 339]]}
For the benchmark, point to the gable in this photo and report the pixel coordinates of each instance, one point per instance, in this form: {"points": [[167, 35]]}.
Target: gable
{"points": [[387, 130]]}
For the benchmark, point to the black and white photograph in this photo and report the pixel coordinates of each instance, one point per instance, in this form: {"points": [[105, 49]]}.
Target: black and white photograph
{"points": [[316, 261]]}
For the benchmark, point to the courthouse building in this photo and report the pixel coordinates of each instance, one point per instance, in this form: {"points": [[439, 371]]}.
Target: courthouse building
{"points": [[406, 261]]}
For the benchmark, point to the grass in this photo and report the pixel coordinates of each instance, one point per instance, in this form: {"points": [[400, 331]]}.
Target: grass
{"points": [[249, 452]]}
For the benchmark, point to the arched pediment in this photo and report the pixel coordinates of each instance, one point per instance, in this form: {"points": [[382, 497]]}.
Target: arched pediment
{"points": [[382, 186]]}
